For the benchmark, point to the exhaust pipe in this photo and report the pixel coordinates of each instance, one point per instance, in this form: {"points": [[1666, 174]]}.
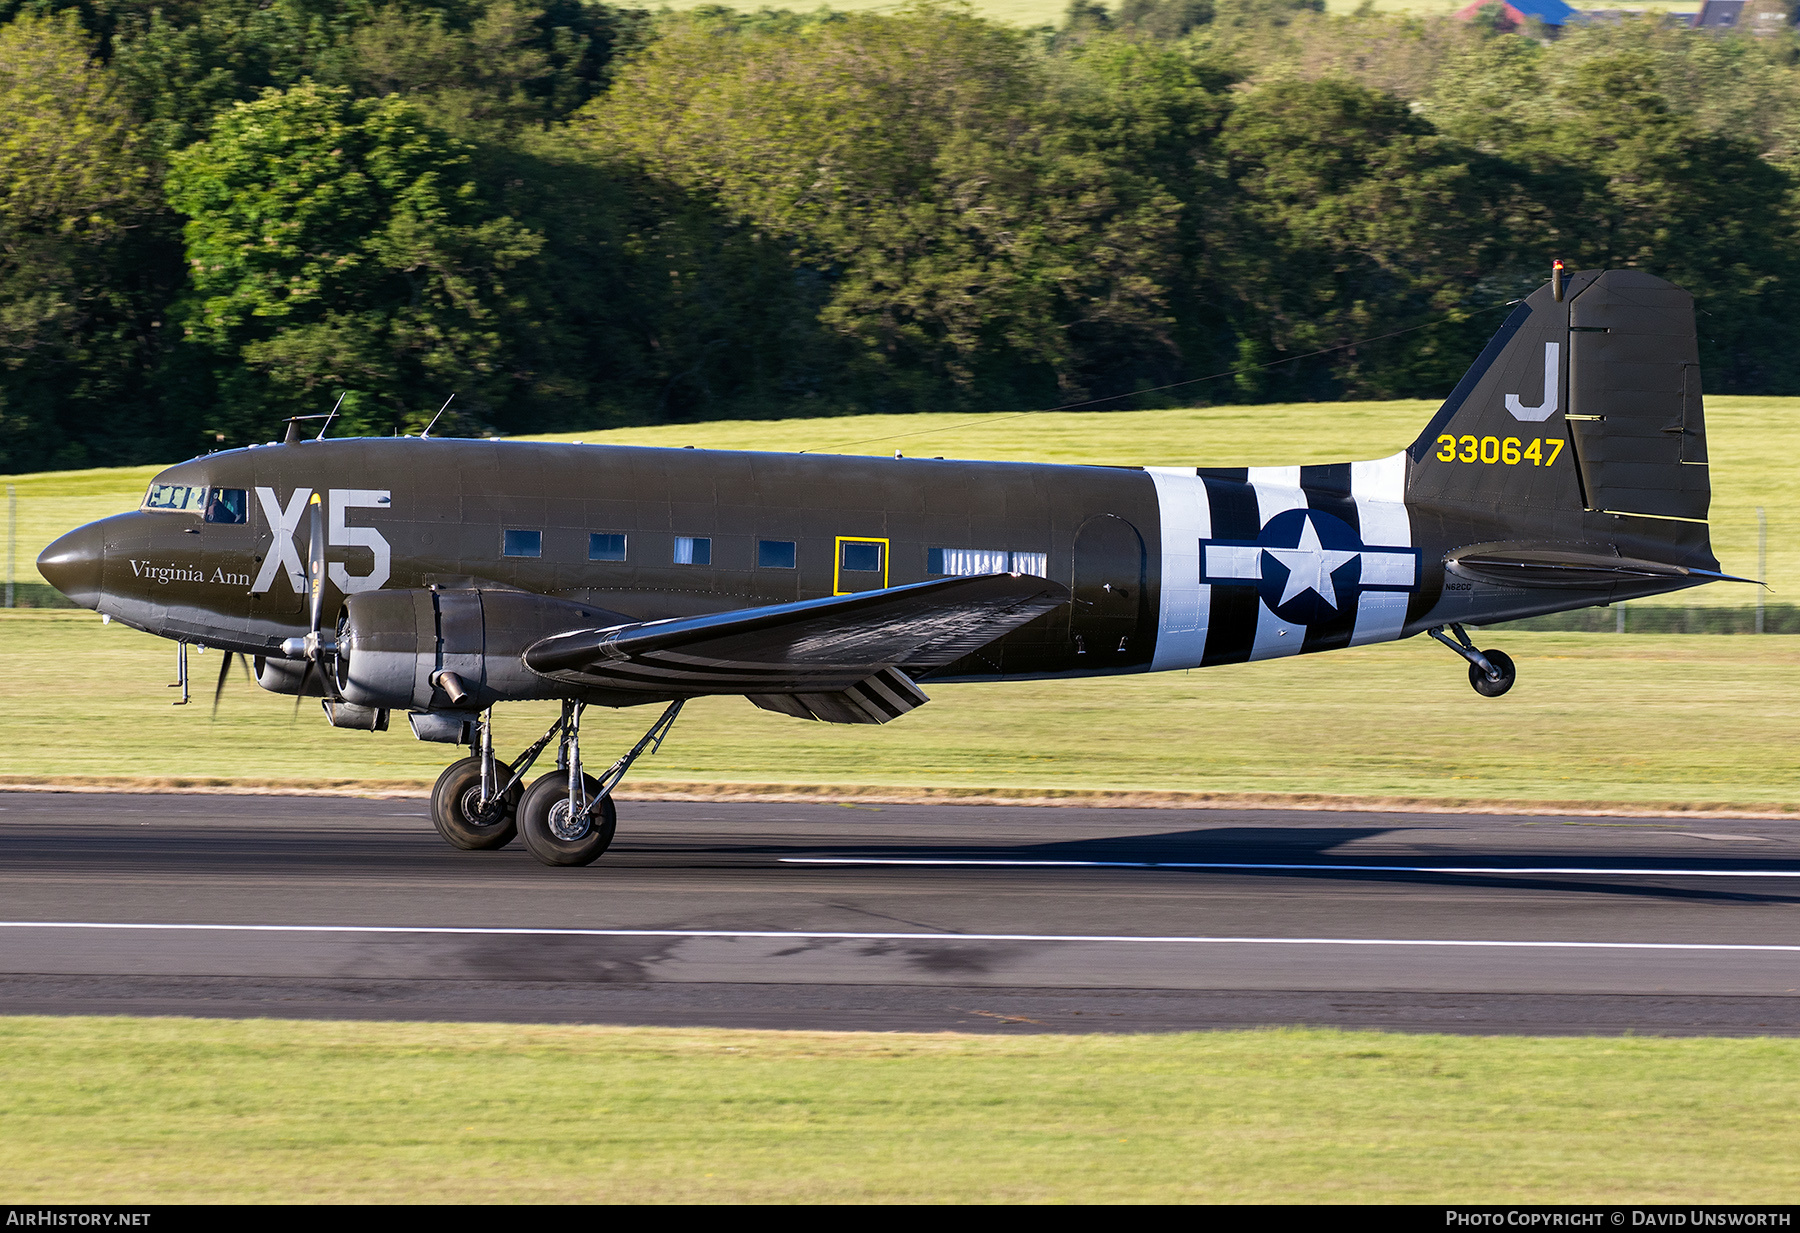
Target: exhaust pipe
{"points": [[452, 685]]}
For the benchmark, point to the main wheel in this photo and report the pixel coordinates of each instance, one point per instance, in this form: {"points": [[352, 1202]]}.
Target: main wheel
{"points": [[1493, 689], [457, 813], [552, 835]]}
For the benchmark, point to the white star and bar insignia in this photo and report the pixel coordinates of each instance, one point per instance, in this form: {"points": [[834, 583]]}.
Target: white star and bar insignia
{"points": [[1308, 565]]}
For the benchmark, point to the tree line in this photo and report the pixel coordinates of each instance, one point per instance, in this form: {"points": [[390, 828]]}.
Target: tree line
{"points": [[215, 214]]}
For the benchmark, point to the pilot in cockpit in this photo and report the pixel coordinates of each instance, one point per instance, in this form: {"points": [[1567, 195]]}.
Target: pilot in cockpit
{"points": [[226, 505]]}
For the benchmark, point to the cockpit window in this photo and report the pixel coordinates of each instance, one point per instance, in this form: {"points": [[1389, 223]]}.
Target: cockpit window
{"points": [[227, 505], [184, 498]]}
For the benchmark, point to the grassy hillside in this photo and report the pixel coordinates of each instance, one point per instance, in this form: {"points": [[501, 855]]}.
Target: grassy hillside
{"points": [[1754, 442]]}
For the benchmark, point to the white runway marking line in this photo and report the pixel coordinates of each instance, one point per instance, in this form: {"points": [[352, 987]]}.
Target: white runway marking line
{"points": [[1243, 866], [836, 935]]}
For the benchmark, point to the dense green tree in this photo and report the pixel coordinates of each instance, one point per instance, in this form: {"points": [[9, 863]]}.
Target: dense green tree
{"points": [[333, 245], [74, 198], [500, 66], [1159, 110], [1626, 171], [481, 62], [915, 163], [572, 213], [1353, 217]]}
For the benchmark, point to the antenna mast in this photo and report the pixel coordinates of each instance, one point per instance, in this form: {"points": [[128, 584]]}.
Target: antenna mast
{"points": [[434, 419], [334, 410]]}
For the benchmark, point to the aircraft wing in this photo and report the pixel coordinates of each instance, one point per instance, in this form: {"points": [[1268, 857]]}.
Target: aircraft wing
{"points": [[847, 655]]}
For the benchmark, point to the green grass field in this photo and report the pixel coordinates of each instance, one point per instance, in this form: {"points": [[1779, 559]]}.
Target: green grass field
{"points": [[1712, 720], [194, 1111], [1754, 442]]}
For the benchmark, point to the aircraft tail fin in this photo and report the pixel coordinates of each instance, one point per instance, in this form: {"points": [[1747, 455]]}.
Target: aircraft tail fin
{"points": [[1582, 413]]}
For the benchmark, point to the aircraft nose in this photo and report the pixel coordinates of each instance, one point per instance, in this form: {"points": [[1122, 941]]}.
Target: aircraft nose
{"points": [[72, 564]]}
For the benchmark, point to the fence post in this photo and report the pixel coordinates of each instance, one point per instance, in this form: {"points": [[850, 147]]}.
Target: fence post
{"points": [[1620, 608], [12, 538], [1762, 562]]}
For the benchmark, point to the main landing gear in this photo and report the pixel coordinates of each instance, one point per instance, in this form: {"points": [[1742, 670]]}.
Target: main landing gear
{"points": [[1491, 673], [566, 817]]}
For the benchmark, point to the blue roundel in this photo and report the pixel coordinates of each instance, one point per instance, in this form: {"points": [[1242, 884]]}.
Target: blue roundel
{"points": [[1311, 565]]}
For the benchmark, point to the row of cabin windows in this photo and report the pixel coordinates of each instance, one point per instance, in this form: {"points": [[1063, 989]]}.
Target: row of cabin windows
{"points": [[855, 556], [688, 549], [610, 546]]}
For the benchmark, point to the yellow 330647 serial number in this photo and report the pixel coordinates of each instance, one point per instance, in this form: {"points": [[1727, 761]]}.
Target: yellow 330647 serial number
{"points": [[1539, 451]]}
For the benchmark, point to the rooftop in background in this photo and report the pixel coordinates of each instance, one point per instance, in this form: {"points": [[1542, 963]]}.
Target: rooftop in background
{"points": [[1519, 13], [1756, 16]]}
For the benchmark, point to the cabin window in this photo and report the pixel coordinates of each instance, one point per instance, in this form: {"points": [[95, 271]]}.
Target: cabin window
{"points": [[228, 505], [775, 553], [522, 543], [185, 498], [606, 546], [693, 550], [861, 557], [968, 562]]}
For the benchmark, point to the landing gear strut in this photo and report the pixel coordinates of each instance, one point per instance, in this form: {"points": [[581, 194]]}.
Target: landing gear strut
{"points": [[1491, 673], [568, 817], [476, 799]]}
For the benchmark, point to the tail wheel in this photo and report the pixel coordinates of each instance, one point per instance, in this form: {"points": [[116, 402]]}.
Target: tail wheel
{"points": [[1493, 689], [554, 834], [458, 815]]}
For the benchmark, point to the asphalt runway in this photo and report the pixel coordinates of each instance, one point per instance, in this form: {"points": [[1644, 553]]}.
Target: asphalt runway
{"points": [[922, 917]]}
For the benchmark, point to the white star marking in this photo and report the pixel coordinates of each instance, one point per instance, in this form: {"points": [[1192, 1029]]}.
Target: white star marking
{"points": [[1310, 566]]}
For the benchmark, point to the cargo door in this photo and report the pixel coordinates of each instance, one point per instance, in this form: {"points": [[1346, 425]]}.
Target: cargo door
{"points": [[1109, 585]]}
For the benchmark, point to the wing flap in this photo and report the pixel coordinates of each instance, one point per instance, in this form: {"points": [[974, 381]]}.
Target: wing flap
{"points": [[887, 695]]}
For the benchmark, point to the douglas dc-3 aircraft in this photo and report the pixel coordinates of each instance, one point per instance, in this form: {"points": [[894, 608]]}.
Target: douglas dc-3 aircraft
{"points": [[440, 577]]}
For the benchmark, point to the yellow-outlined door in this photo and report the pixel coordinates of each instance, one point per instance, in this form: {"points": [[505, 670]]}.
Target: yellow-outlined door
{"points": [[837, 564]]}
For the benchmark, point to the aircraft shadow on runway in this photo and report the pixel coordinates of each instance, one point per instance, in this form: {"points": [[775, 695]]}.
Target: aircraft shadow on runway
{"points": [[1253, 845], [265, 851]]}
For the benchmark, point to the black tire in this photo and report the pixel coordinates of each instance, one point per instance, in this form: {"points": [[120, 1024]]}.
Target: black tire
{"points": [[1493, 689], [454, 812], [546, 805]]}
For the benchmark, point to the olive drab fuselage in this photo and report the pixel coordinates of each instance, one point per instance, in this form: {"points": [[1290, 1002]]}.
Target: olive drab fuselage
{"points": [[406, 513], [1567, 469]]}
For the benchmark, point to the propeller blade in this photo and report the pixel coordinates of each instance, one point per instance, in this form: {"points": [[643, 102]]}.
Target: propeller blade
{"points": [[315, 563], [224, 672], [305, 677]]}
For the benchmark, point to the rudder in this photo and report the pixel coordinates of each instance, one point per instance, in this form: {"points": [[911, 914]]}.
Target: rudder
{"points": [[1582, 406]]}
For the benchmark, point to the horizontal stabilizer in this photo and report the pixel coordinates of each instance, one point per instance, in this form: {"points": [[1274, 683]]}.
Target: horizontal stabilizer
{"points": [[814, 647], [1574, 569]]}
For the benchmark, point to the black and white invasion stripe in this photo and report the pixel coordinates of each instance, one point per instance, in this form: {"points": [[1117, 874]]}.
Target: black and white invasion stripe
{"points": [[1216, 576]]}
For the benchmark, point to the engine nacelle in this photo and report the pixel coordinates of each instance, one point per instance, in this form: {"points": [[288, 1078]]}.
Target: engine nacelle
{"points": [[451, 649], [282, 676]]}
